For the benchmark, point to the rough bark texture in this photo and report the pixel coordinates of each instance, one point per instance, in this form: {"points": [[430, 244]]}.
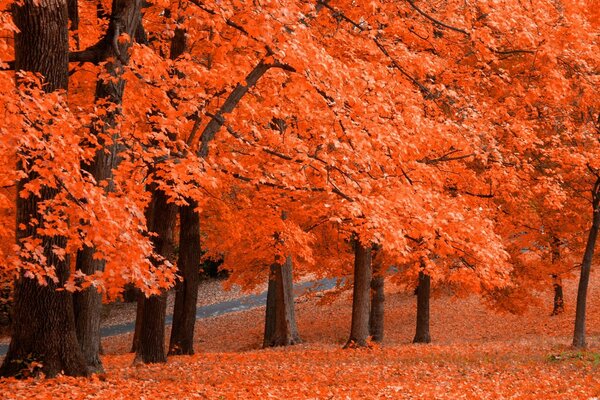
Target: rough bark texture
{"points": [[586, 265], [361, 299], [186, 290], [43, 329], [161, 220], [124, 18], [280, 319], [377, 300], [423, 295]]}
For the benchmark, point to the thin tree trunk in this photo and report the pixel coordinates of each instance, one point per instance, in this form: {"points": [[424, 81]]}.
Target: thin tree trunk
{"points": [[280, 320], [43, 329], [139, 314], [161, 220], [73, 7], [376, 317], [586, 265], [124, 18], [559, 302], [186, 290], [361, 307], [423, 295]]}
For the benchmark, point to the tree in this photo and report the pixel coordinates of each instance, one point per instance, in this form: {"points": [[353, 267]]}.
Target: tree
{"points": [[43, 335], [124, 19]]}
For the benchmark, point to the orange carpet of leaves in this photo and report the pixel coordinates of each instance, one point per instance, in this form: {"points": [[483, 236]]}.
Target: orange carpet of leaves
{"points": [[476, 354]]}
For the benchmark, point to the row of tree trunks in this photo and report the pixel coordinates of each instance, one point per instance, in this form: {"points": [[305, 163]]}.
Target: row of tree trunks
{"points": [[124, 18], [43, 329]]}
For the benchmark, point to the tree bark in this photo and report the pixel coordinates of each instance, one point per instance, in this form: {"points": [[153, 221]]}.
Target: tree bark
{"points": [[186, 290], [43, 329], [280, 319], [73, 7], [124, 18], [161, 220], [423, 295], [139, 313], [376, 318], [559, 302], [586, 265], [361, 307]]}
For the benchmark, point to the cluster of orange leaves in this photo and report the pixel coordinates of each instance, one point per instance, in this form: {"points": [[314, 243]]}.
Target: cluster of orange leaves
{"points": [[455, 139]]}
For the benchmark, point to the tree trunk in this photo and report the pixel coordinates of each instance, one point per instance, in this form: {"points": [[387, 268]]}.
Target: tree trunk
{"points": [[43, 329], [361, 307], [186, 290], [559, 303], [139, 314], [280, 319], [161, 220], [87, 305], [73, 7], [377, 301], [423, 295], [586, 265], [124, 19]]}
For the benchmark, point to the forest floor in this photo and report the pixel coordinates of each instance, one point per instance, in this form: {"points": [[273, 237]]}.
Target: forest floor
{"points": [[476, 354]]}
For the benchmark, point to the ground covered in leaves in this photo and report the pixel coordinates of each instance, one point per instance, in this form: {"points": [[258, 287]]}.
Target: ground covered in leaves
{"points": [[476, 354]]}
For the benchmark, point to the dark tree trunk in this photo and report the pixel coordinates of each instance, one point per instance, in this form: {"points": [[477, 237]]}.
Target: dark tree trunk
{"points": [[559, 303], [139, 314], [377, 300], [280, 319], [124, 18], [73, 7], [586, 265], [186, 290], [87, 305], [361, 299], [161, 217], [43, 328], [423, 295]]}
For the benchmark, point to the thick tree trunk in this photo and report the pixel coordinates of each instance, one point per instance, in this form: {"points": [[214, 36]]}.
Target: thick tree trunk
{"points": [[280, 319], [586, 265], [124, 18], [186, 290], [161, 220], [423, 295], [559, 303], [377, 301], [43, 329], [361, 299]]}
